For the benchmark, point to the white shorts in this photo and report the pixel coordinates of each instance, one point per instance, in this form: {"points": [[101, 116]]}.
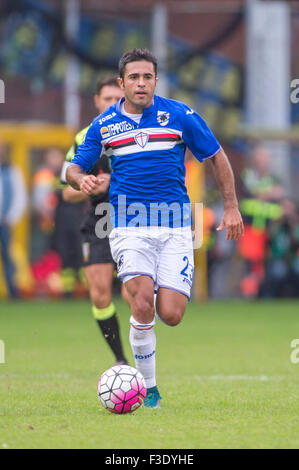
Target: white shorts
{"points": [[164, 254]]}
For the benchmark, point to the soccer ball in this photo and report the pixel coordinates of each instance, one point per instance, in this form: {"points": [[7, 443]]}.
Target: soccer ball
{"points": [[121, 389]]}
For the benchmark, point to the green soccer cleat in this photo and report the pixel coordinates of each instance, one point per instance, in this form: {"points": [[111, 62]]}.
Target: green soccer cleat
{"points": [[152, 399]]}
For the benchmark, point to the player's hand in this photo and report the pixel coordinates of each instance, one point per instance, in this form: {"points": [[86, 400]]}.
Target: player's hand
{"points": [[103, 184], [232, 221], [90, 184]]}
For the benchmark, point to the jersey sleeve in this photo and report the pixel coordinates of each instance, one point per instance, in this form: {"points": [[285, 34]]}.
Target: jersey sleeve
{"points": [[90, 150], [197, 135]]}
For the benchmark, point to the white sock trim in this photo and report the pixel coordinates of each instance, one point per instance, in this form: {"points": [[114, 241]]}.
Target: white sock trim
{"points": [[142, 326]]}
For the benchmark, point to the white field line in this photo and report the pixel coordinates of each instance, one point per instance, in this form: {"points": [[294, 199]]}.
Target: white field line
{"points": [[36, 376], [261, 378]]}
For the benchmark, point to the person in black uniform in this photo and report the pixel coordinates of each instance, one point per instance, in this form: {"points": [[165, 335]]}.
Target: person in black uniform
{"points": [[97, 259]]}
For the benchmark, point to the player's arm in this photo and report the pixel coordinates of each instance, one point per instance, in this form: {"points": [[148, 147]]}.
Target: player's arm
{"points": [[88, 184], [204, 146], [231, 219], [70, 194], [73, 195], [86, 156]]}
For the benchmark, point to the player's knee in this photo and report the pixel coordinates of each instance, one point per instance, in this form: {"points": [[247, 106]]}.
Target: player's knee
{"points": [[172, 317], [144, 307], [175, 319], [100, 298]]}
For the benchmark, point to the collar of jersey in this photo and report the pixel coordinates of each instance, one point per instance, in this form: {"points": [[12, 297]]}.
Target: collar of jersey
{"points": [[146, 112]]}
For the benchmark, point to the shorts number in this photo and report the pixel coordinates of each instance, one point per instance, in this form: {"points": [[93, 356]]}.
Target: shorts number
{"points": [[184, 270]]}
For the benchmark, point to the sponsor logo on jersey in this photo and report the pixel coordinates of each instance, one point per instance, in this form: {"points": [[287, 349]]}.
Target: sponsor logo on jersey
{"points": [[141, 139], [105, 132], [120, 127], [163, 118], [105, 118]]}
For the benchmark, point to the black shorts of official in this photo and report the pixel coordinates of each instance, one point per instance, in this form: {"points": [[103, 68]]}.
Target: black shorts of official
{"points": [[95, 250]]}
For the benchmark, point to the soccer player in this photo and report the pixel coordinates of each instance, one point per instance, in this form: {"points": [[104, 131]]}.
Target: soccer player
{"points": [[146, 136], [98, 262]]}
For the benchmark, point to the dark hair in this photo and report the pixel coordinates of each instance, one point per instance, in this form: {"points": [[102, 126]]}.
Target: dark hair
{"points": [[135, 55], [109, 81]]}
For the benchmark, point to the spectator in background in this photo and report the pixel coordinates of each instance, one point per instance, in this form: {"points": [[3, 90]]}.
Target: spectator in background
{"points": [[44, 183], [44, 201], [282, 264], [260, 203], [66, 240], [219, 257], [258, 182], [57, 233], [13, 203]]}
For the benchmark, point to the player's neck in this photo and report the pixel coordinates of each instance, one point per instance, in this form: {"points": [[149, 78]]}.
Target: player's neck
{"points": [[133, 109]]}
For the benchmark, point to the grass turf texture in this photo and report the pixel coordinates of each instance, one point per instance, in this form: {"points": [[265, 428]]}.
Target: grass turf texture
{"points": [[225, 376]]}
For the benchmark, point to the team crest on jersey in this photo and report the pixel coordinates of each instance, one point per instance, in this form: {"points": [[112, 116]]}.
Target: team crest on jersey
{"points": [[105, 132], [163, 118], [141, 139]]}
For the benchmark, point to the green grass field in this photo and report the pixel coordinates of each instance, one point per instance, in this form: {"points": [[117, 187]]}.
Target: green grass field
{"points": [[225, 376]]}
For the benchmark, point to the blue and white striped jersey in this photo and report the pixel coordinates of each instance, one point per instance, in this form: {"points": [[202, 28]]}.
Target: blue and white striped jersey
{"points": [[147, 159]]}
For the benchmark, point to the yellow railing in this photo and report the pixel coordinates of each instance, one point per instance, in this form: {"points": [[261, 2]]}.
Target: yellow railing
{"points": [[21, 139]]}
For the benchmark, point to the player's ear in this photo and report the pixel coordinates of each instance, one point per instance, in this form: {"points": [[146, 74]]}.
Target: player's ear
{"points": [[120, 82]]}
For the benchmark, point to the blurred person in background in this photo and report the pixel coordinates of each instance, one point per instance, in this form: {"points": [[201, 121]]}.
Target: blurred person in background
{"points": [[260, 203], [13, 203], [282, 263], [44, 201], [98, 263], [66, 240], [58, 224], [219, 254]]}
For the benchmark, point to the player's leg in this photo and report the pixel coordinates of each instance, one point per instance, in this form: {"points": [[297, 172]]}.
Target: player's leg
{"points": [[99, 268], [136, 261], [125, 294], [99, 280], [140, 291], [142, 335], [174, 285], [171, 306]]}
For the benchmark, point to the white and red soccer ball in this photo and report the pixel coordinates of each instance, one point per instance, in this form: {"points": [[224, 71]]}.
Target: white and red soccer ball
{"points": [[121, 389]]}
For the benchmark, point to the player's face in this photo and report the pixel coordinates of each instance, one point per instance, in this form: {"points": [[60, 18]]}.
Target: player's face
{"points": [[107, 97], [139, 85]]}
